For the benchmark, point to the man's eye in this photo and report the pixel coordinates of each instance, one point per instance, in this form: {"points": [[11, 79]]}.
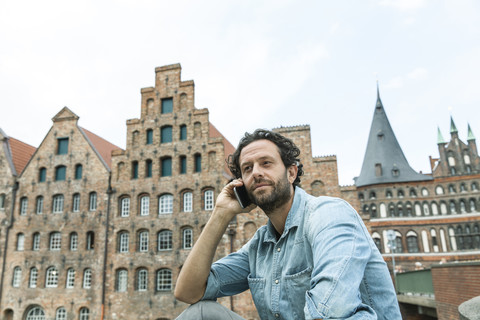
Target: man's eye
{"points": [[245, 169]]}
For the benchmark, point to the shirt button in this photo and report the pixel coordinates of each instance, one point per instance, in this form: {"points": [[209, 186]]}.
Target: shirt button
{"points": [[276, 281], [278, 249]]}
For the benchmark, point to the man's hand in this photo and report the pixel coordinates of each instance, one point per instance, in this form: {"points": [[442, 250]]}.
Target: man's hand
{"points": [[227, 202]]}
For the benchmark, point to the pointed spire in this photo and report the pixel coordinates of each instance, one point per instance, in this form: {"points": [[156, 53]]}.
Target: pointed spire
{"points": [[440, 139], [453, 128], [470, 134], [379, 101]]}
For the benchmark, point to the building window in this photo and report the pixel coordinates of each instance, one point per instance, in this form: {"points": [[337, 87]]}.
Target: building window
{"points": [[39, 206], [51, 279], [388, 194], [439, 190], [398, 243], [122, 280], [55, 241], [378, 169], [144, 206], [166, 134], [209, 200], [32, 281], [123, 241], [61, 314], [84, 314], [473, 206], [165, 240], [17, 277], [198, 162], [57, 206], [412, 242], [148, 168], [143, 241], [23, 206], [424, 192], [395, 172], [142, 280], [474, 186], [62, 146], [453, 208], [42, 175], [400, 194], [125, 207], [35, 313], [167, 105], [76, 202], [70, 283], [134, 169], [73, 241], [453, 240], [36, 241], [93, 201], [164, 280], [60, 173], [413, 193], [166, 167], [78, 171], [90, 240], [183, 132], [187, 202], [372, 195], [187, 237], [463, 207], [149, 136], [135, 135], [87, 278], [20, 242], [165, 204], [451, 188], [183, 164]]}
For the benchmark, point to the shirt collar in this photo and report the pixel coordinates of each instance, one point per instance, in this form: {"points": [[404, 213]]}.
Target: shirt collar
{"points": [[293, 217]]}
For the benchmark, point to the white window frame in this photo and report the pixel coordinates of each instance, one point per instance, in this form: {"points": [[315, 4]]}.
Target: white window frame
{"points": [[164, 280], [61, 314], [39, 205], [36, 241], [144, 205], [122, 280], [51, 278], [35, 313], [57, 206], [76, 202], [143, 241], [32, 281], [87, 278], [92, 203], [55, 241], [187, 236], [84, 314], [125, 207], [73, 241], [142, 280], [165, 204], [209, 203], [165, 236], [20, 242], [123, 239], [70, 282], [17, 277], [188, 201], [23, 206]]}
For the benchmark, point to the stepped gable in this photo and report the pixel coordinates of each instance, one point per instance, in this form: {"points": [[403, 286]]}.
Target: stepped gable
{"points": [[384, 161]]}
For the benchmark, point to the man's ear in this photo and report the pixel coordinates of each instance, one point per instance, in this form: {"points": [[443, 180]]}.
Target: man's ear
{"points": [[292, 173]]}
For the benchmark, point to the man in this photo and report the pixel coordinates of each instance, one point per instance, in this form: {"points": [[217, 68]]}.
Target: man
{"points": [[313, 260]]}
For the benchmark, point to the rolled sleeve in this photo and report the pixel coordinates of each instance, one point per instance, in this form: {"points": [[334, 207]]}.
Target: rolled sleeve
{"points": [[340, 252]]}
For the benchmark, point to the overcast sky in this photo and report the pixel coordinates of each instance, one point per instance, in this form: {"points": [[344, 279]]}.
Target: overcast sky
{"points": [[255, 64]]}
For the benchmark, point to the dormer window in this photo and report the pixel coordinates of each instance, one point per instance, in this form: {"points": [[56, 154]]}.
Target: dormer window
{"points": [[395, 172]]}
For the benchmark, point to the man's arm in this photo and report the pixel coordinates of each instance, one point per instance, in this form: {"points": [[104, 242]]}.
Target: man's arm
{"points": [[192, 280]]}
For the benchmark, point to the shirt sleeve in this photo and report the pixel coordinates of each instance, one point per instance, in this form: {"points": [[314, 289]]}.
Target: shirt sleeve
{"points": [[341, 250], [228, 276]]}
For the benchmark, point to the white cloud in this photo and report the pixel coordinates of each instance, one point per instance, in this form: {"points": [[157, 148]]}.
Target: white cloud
{"points": [[403, 5]]}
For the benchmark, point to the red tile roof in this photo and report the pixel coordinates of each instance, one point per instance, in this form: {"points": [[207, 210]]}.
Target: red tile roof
{"points": [[102, 146], [227, 146], [21, 153]]}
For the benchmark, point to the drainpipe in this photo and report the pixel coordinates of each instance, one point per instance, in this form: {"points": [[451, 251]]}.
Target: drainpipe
{"points": [[110, 192], [9, 226], [231, 233]]}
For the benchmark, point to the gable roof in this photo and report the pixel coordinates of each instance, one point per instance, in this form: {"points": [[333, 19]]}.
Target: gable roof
{"points": [[101, 146], [227, 146], [21, 153]]}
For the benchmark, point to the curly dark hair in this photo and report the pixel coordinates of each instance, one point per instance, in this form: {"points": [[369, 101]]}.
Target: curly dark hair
{"points": [[289, 152]]}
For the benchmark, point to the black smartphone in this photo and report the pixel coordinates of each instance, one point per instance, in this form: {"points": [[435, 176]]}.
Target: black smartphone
{"points": [[242, 196]]}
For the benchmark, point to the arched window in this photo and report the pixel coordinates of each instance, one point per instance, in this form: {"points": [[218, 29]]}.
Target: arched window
{"points": [[165, 204], [413, 193], [142, 280], [443, 207], [20, 242], [125, 207], [372, 195], [208, 196], [70, 283], [400, 194], [84, 314], [476, 236], [460, 239], [474, 186], [61, 314], [39, 205], [424, 192], [434, 208], [57, 206], [164, 280], [60, 173], [463, 187], [32, 281], [398, 243], [17, 277], [90, 240], [23, 206], [123, 241], [122, 280], [468, 241], [472, 205], [373, 210], [73, 241], [453, 208], [165, 240], [35, 313], [87, 278], [409, 209], [412, 242], [426, 245], [391, 210], [451, 188], [426, 209], [144, 205], [383, 210], [388, 194], [361, 197], [55, 241], [453, 239], [439, 190], [143, 241], [93, 201], [400, 209], [187, 201], [377, 240], [187, 238], [463, 207], [76, 202], [78, 171], [51, 278], [36, 241]]}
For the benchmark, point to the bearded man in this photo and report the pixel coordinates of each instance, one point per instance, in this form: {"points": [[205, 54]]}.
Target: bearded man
{"points": [[313, 260]]}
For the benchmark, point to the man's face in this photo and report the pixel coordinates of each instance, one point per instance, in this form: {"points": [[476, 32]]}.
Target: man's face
{"points": [[268, 182]]}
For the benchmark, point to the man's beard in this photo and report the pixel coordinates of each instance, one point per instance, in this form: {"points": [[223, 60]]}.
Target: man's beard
{"points": [[277, 197]]}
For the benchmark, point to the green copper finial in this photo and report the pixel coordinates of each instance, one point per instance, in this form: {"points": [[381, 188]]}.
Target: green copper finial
{"points": [[453, 128], [440, 139], [470, 134]]}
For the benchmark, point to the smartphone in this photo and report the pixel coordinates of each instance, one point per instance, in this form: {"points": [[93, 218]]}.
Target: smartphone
{"points": [[242, 196]]}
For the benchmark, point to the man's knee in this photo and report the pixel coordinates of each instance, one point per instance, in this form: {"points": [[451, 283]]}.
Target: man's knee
{"points": [[208, 310]]}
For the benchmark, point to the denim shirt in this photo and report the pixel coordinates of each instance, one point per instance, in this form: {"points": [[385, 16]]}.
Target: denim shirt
{"points": [[325, 265]]}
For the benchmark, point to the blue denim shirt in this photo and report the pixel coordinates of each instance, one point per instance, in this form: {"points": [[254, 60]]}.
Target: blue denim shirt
{"points": [[325, 265]]}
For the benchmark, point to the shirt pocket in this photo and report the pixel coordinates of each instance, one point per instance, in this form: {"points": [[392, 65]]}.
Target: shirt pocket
{"points": [[257, 289], [297, 285]]}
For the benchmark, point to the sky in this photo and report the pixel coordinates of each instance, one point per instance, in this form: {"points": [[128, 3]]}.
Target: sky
{"points": [[256, 64]]}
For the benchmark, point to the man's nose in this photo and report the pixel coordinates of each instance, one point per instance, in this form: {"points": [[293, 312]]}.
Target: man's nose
{"points": [[257, 171]]}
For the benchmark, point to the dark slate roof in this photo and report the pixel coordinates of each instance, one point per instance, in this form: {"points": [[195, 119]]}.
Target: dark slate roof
{"points": [[383, 149]]}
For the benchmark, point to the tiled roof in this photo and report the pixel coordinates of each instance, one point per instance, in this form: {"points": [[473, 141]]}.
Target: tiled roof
{"points": [[102, 146], [227, 146], [21, 153]]}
